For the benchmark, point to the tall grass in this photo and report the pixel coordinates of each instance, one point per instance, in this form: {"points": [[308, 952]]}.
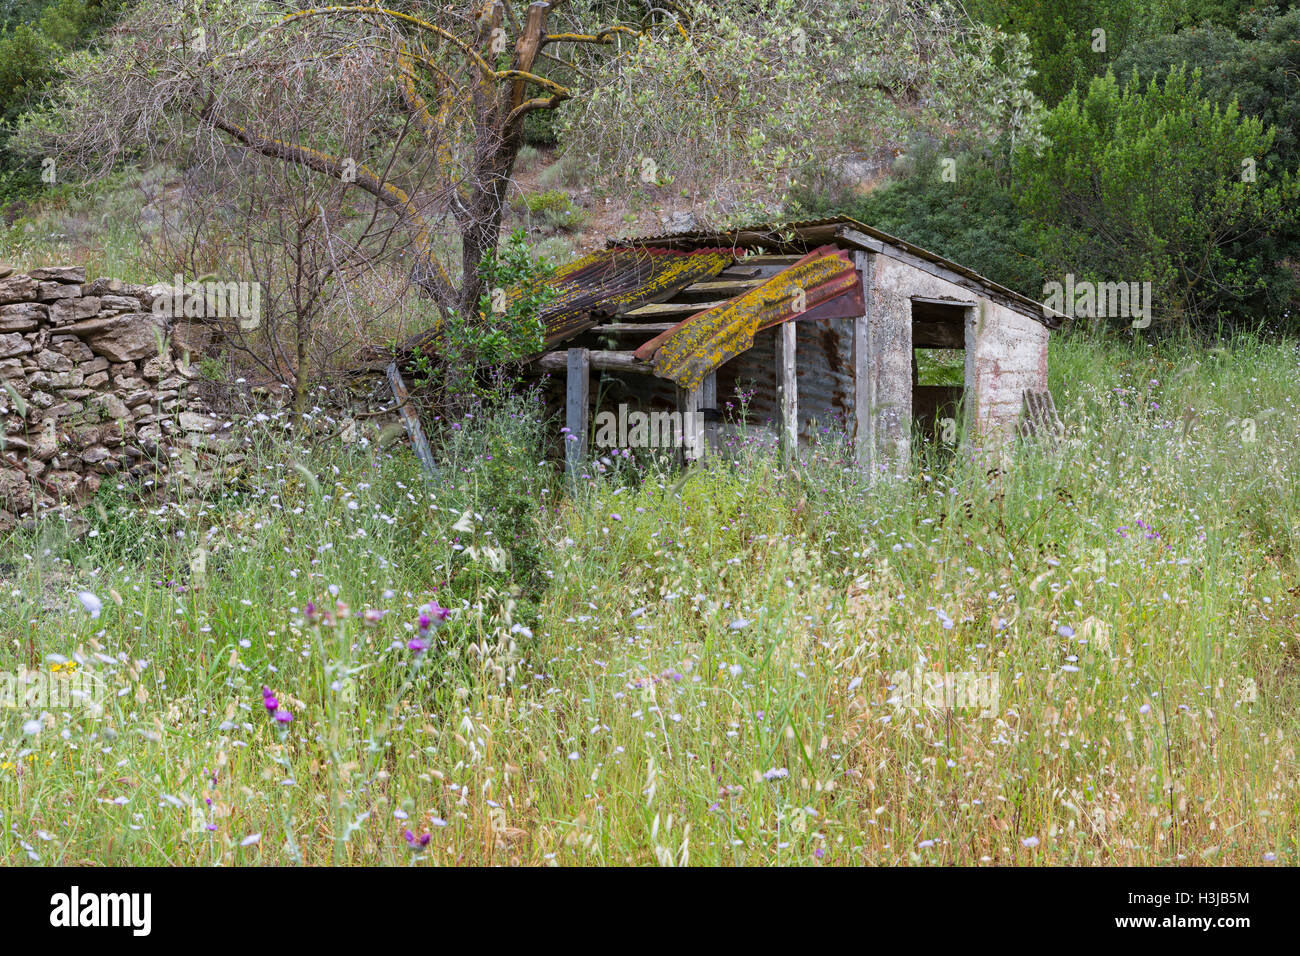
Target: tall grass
{"points": [[700, 667]]}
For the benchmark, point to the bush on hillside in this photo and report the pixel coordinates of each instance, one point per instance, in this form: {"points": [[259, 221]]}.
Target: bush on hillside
{"points": [[1158, 184], [33, 38], [973, 219], [1257, 65]]}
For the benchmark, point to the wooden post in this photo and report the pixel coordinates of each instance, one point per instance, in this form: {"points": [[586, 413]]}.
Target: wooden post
{"points": [[709, 398], [864, 426], [692, 423], [411, 420], [788, 389], [575, 410]]}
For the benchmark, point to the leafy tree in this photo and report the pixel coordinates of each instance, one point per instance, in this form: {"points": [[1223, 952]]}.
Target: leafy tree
{"points": [[34, 36], [1156, 184], [1222, 12], [422, 107], [418, 108], [27, 58], [758, 96]]}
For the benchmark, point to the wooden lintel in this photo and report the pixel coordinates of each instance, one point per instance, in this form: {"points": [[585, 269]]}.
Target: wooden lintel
{"points": [[605, 361]]}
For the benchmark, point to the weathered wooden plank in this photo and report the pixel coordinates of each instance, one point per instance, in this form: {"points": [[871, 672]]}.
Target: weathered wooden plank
{"points": [[411, 420], [788, 389], [692, 402], [575, 410], [743, 272], [709, 399], [716, 289], [864, 432], [753, 272], [674, 308], [605, 361], [632, 328], [762, 260]]}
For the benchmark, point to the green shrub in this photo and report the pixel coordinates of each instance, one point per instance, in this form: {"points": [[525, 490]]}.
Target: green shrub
{"points": [[539, 128], [1151, 184], [1257, 67], [552, 208], [27, 59], [505, 329], [550, 200], [974, 220], [33, 38], [1066, 49]]}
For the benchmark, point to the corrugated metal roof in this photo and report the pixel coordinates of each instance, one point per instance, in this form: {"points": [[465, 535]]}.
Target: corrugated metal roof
{"points": [[703, 342], [612, 281], [606, 283], [798, 236]]}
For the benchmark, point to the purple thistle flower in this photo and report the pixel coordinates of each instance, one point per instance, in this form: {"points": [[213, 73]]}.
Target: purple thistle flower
{"points": [[273, 708], [417, 842], [417, 644]]}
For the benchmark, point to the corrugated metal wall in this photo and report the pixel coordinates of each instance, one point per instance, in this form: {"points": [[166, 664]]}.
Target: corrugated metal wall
{"points": [[824, 367], [825, 376]]}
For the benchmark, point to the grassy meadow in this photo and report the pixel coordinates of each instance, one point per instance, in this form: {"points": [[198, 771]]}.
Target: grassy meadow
{"points": [[664, 667]]}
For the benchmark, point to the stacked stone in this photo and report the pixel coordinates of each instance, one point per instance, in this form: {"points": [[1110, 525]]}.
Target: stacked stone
{"points": [[105, 389]]}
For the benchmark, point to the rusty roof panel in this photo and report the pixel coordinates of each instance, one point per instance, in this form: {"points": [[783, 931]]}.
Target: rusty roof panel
{"points": [[846, 305], [612, 281], [799, 235], [605, 283], [703, 342]]}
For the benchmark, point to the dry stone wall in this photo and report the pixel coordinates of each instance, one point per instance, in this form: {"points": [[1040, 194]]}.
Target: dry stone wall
{"points": [[94, 384]]}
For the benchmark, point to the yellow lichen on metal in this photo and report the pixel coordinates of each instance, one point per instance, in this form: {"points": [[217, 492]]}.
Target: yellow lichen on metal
{"points": [[611, 281], [702, 343], [670, 272]]}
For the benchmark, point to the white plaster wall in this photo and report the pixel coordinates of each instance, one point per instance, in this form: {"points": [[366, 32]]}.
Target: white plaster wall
{"points": [[1006, 353], [1009, 355]]}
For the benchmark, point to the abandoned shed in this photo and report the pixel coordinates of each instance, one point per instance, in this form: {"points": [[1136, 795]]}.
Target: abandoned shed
{"points": [[793, 327]]}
